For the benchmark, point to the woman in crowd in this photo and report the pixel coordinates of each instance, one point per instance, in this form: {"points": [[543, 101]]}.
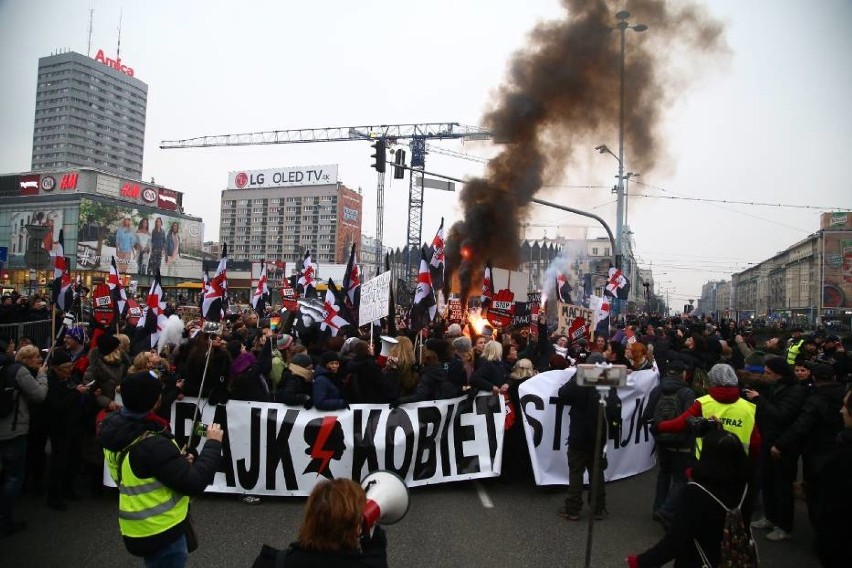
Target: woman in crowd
{"points": [[434, 383], [461, 366], [158, 244], [402, 363], [372, 385], [172, 249], [142, 245], [637, 355], [331, 532], [327, 388], [108, 364], [491, 375]]}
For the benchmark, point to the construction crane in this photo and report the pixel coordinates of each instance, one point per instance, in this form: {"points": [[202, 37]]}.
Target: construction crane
{"points": [[415, 134]]}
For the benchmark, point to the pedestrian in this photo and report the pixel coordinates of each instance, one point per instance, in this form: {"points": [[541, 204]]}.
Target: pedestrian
{"points": [[26, 379], [154, 477]]}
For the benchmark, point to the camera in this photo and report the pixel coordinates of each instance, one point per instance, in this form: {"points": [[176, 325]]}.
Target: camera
{"points": [[601, 375], [700, 427], [68, 320], [200, 430]]}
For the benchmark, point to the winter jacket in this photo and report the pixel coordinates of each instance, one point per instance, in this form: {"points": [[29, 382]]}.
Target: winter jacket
{"points": [[279, 365], [490, 374], [32, 390], [157, 456], [584, 403], [295, 387], [834, 501], [247, 376], [723, 395], [326, 390], [107, 376], [685, 399], [63, 404], [215, 383], [778, 406], [373, 554], [816, 427], [697, 517], [434, 384], [374, 386]]}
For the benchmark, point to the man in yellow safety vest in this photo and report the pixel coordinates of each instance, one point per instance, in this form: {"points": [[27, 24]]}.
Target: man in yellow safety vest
{"points": [[154, 477]]}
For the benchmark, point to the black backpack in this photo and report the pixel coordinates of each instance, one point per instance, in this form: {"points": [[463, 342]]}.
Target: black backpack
{"points": [[738, 548], [668, 408], [11, 394]]}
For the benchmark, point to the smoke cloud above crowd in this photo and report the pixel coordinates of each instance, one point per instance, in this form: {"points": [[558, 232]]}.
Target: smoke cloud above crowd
{"points": [[562, 93]]}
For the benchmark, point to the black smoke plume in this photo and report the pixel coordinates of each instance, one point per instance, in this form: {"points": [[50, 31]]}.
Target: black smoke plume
{"points": [[562, 92]]}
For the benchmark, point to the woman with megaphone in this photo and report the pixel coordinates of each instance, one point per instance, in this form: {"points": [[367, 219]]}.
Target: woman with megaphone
{"points": [[335, 532]]}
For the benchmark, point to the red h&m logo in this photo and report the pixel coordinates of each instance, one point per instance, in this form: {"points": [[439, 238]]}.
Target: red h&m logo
{"points": [[69, 181], [130, 190]]}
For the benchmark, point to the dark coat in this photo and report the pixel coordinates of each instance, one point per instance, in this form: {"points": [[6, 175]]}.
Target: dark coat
{"points": [[294, 389], [434, 384], [778, 406], [685, 398], [697, 517], [833, 524], [488, 375], [815, 430], [158, 457], [326, 390], [374, 386], [248, 376], [584, 413], [373, 554]]}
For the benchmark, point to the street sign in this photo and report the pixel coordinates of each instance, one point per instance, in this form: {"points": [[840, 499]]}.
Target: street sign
{"points": [[439, 184]]}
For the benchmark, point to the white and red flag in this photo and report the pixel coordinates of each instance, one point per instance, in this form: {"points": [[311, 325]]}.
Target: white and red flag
{"points": [[487, 285], [352, 283], [425, 306], [617, 285], [436, 263], [63, 292], [331, 318], [261, 294], [116, 289], [600, 309], [215, 301], [154, 318], [563, 288], [307, 277]]}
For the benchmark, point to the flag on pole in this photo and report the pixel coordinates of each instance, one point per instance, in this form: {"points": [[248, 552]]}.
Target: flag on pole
{"points": [[331, 320], [352, 283], [424, 307], [63, 293], [600, 309], [617, 285], [116, 289], [205, 283], [215, 301], [563, 289], [436, 263], [307, 278], [487, 285], [261, 294], [154, 318], [391, 319]]}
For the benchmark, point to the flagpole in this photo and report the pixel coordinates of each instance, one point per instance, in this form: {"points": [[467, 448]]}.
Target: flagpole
{"points": [[195, 414]]}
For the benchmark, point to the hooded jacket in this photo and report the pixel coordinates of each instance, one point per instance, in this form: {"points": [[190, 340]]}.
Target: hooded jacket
{"points": [[434, 384], [584, 411], [158, 457], [295, 387], [670, 385], [815, 429], [32, 389], [327, 394], [375, 387], [778, 406]]}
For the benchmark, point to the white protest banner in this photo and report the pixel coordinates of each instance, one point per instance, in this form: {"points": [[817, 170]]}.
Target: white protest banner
{"points": [[546, 422], [375, 299], [272, 449]]}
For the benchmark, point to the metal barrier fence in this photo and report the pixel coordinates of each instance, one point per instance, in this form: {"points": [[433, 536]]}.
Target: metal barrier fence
{"points": [[38, 331]]}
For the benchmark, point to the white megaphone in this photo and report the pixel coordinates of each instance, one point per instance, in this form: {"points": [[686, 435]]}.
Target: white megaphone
{"points": [[387, 498], [387, 345]]}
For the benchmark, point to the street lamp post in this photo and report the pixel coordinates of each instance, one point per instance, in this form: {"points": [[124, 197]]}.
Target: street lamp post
{"points": [[627, 177], [622, 26]]}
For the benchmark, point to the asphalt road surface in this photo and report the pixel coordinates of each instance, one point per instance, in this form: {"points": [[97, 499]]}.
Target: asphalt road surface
{"points": [[489, 524]]}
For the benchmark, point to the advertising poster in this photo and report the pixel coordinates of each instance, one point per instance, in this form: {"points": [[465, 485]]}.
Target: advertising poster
{"points": [[348, 225], [142, 240], [19, 235], [837, 269]]}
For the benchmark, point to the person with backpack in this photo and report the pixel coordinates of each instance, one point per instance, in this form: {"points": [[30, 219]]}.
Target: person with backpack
{"points": [[24, 382], [674, 449], [710, 526]]}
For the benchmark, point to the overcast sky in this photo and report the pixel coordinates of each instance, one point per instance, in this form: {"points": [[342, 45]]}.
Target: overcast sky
{"points": [[769, 123]]}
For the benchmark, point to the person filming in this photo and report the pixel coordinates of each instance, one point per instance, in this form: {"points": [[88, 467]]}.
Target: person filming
{"points": [[154, 477], [332, 533]]}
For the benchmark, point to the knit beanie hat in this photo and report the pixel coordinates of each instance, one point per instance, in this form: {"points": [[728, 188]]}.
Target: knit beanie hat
{"points": [[754, 362], [301, 360], [778, 365], [722, 375], [329, 356], [77, 334], [285, 341], [140, 391], [107, 344], [59, 357]]}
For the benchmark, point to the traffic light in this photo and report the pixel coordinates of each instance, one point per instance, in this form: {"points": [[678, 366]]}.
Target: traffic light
{"points": [[380, 155], [399, 160]]}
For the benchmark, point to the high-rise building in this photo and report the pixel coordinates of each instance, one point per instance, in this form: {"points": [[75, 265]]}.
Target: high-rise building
{"points": [[279, 213], [89, 113]]}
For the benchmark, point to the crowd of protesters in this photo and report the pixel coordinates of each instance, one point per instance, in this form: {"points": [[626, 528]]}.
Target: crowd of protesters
{"points": [[788, 392], [15, 308]]}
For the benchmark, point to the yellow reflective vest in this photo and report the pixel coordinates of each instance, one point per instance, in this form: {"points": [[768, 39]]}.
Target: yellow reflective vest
{"points": [[146, 507], [793, 351], [737, 418]]}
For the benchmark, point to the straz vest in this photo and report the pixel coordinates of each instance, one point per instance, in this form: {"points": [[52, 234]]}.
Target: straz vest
{"points": [[146, 507], [737, 418], [793, 351]]}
